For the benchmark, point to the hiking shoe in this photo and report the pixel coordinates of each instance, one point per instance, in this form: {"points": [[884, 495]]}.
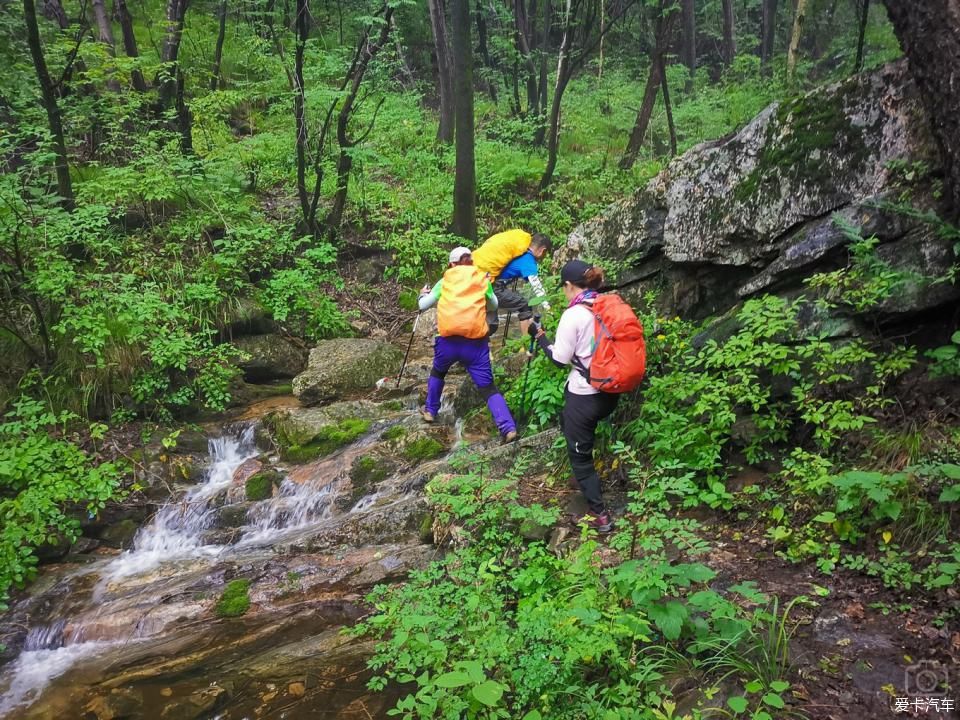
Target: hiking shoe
{"points": [[509, 437], [602, 523], [427, 416]]}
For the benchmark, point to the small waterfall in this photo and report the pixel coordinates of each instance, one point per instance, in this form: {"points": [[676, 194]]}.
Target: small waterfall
{"points": [[296, 505], [177, 528]]}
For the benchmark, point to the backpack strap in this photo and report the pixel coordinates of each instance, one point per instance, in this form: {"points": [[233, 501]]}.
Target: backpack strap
{"points": [[575, 361]]}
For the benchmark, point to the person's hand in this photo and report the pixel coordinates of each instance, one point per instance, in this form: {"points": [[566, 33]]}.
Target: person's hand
{"points": [[425, 289], [534, 329]]}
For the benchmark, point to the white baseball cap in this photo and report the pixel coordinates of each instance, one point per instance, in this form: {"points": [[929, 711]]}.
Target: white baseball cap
{"points": [[456, 255]]}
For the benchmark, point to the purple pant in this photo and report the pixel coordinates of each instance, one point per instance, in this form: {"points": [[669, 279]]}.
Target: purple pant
{"points": [[474, 355]]}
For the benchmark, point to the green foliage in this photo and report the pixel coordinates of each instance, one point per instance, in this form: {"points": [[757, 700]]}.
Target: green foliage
{"points": [[44, 476], [505, 628], [946, 358], [423, 448], [235, 600]]}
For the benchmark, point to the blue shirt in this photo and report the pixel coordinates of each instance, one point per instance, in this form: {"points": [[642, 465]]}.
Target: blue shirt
{"points": [[522, 266]]}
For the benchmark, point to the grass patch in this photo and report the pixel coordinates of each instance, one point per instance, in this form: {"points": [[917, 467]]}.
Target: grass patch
{"points": [[425, 448]]}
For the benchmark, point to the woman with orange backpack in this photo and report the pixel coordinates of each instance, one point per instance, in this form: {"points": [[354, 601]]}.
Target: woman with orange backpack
{"points": [[602, 339], [463, 296]]}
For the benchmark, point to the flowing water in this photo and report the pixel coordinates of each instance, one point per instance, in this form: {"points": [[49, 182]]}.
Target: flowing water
{"points": [[158, 591]]}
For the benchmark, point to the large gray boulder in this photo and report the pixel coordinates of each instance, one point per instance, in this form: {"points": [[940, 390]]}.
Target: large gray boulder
{"points": [[339, 367], [272, 357], [753, 213]]}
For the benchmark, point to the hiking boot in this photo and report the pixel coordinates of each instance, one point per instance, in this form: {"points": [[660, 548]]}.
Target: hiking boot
{"points": [[602, 523], [427, 416], [509, 437]]}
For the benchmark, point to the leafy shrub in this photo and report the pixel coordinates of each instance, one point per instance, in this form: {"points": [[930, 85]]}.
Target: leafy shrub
{"points": [[45, 479]]}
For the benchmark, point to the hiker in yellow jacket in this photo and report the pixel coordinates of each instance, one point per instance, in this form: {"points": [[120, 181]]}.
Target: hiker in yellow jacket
{"points": [[508, 256], [463, 296]]}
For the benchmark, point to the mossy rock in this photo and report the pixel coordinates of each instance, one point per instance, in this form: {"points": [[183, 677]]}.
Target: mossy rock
{"points": [[393, 405], [423, 448], [259, 486], [120, 534], [235, 600], [324, 441], [425, 529], [395, 432], [369, 470]]}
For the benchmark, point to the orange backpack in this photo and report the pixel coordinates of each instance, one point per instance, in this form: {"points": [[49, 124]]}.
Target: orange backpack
{"points": [[462, 310], [620, 354]]}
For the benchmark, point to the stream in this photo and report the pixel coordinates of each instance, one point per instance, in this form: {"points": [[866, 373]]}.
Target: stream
{"points": [[136, 635]]}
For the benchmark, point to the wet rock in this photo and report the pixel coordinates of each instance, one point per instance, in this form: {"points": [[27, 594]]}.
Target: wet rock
{"points": [[250, 318], [231, 516], [120, 534], [345, 365], [272, 357], [201, 703], [246, 469], [261, 485], [120, 703], [752, 214]]}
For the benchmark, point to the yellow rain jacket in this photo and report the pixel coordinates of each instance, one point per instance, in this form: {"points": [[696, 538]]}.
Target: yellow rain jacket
{"points": [[498, 250]]}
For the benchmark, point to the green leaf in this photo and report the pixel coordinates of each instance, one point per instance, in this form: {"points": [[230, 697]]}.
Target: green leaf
{"points": [[779, 685], [754, 686], [951, 471], [738, 703], [452, 679], [826, 517], [532, 715], [488, 692], [668, 618], [773, 700]]}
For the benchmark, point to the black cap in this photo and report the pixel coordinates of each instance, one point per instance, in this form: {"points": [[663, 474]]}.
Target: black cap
{"points": [[574, 272]]}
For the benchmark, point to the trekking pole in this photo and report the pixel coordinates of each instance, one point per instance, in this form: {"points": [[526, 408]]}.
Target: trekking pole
{"points": [[407, 354], [506, 326], [526, 372]]}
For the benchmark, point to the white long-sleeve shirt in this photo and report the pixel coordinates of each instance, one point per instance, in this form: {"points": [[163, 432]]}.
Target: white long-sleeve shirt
{"points": [[575, 338]]}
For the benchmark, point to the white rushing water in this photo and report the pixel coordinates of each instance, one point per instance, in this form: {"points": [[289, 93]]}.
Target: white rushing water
{"points": [[177, 529]]}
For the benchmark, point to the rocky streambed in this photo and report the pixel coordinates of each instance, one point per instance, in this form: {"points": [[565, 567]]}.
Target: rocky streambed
{"points": [[230, 600]]}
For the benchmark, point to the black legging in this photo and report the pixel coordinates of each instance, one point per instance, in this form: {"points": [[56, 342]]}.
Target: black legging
{"points": [[578, 420]]}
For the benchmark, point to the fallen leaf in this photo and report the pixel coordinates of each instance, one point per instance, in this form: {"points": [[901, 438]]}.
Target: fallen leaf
{"points": [[166, 692], [854, 611], [297, 689]]}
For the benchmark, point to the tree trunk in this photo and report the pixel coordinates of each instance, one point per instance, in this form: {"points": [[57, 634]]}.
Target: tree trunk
{"points": [[864, 16], [665, 88], [661, 38], [129, 43], [49, 99], [525, 41], [438, 21], [302, 23], [167, 77], [729, 33], [365, 53], [184, 118], [464, 184], [53, 10], [563, 79], [105, 36], [929, 32], [689, 49], [768, 32], [218, 51], [485, 51], [798, 19]]}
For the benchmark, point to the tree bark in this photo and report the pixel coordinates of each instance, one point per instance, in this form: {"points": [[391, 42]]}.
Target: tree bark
{"points": [[668, 107], [929, 32], [366, 52], [438, 21], [639, 131], [464, 184], [53, 10], [768, 32], [799, 18], [689, 49], [130, 43], [861, 36], [485, 51], [167, 78], [563, 79], [218, 51], [49, 99], [105, 36], [525, 41], [302, 24], [729, 33]]}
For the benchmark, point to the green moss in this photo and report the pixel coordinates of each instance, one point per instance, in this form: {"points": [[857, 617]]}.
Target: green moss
{"points": [[425, 529], [394, 433], [323, 442], [423, 448], [259, 486], [408, 300], [393, 405], [368, 470], [235, 600], [810, 131]]}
